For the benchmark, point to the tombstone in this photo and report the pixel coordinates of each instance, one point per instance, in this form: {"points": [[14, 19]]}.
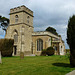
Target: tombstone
{"points": [[0, 58], [21, 55]]}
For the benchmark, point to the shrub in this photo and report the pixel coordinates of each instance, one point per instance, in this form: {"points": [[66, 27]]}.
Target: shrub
{"points": [[67, 51], [6, 47], [50, 51], [43, 53], [68, 55]]}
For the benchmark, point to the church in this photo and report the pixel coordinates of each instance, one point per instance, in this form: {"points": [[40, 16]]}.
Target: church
{"points": [[25, 39]]}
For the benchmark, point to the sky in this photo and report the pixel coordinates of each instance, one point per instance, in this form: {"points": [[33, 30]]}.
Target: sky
{"points": [[53, 13]]}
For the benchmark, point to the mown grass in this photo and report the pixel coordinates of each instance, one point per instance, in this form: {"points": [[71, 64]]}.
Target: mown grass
{"points": [[35, 65]]}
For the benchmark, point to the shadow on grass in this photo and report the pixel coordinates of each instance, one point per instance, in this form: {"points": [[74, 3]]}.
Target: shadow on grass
{"points": [[62, 65]]}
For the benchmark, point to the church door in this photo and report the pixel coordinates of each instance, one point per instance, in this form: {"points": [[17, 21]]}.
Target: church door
{"points": [[15, 50]]}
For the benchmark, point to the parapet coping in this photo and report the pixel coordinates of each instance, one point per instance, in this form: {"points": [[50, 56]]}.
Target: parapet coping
{"points": [[13, 12], [20, 7], [44, 33]]}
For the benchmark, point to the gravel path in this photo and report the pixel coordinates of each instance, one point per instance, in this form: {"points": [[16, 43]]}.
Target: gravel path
{"points": [[71, 73]]}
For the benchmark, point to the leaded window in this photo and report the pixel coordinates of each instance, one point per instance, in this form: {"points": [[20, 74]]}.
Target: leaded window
{"points": [[39, 45], [15, 38]]}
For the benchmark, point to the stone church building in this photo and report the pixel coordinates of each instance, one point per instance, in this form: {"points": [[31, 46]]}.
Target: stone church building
{"points": [[25, 39]]}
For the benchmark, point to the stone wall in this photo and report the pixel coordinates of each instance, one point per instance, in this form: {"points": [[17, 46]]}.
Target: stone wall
{"points": [[23, 27], [46, 43]]}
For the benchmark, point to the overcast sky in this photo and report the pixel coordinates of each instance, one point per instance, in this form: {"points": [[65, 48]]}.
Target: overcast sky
{"points": [[54, 13]]}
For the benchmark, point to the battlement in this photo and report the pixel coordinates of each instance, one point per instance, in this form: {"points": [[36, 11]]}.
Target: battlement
{"points": [[21, 9]]}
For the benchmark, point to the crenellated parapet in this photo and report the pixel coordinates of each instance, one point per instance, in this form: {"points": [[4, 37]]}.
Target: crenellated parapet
{"points": [[21, 9]]}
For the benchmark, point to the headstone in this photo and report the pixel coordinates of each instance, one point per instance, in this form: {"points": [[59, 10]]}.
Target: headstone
{"points": [[21, 55], [0, 58]]}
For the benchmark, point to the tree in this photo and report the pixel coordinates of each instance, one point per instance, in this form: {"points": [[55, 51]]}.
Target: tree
{"points": [[0, 58], [52, 30], [71, 39], [4, 23]]}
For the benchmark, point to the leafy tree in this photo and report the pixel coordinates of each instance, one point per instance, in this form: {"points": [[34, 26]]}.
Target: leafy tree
{"points": [[52, 30], [4, 23], [71, 39]]}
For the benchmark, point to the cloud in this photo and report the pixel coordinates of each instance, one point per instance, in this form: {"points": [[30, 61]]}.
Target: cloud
{"points": [[54, 13]]}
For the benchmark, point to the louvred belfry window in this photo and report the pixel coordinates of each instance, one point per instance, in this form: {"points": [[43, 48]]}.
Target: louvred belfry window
{"points": [[16, 18]]}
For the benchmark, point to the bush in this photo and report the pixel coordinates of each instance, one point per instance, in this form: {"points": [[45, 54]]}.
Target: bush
{"points": [[6, 47], [50, 51], [68, 55], [67, 51], [43, 53]]}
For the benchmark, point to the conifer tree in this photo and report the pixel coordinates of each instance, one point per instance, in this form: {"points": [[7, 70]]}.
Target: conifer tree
{"points": [[71, 39]]}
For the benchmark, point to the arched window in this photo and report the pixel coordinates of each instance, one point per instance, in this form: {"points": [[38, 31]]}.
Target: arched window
{"points": [[39, 45], [15, 38], [16, 18]]}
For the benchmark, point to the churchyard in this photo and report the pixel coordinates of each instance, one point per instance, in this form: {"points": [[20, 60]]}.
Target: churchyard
{"points": [[35, 65]]}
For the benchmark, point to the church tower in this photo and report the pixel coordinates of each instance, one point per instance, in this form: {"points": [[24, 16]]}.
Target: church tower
{"points": [[20, 29]]}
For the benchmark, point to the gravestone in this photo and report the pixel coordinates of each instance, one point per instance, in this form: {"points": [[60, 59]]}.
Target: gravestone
{"points": [[0, 58], [21, 55]]}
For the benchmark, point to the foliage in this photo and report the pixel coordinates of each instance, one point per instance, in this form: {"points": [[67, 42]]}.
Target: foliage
{"points": [[6, 47], [50, 48], [52, 30], [41, 65], [68, 55], [67, 50], [43, 53], [4, 22], [0, 58], [49, 51], [71, 39]]}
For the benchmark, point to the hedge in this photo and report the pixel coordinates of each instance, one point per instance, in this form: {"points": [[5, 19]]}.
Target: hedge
{"points": [[6, 47]]}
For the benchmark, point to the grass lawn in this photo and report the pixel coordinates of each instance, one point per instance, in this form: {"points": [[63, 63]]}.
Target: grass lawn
{"points": [[35, 65]]}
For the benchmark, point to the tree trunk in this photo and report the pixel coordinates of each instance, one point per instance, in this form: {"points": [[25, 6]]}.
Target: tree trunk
{"points": [[0, 58], [72, 58]]}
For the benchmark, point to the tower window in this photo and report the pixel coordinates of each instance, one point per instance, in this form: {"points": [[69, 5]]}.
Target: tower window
{"points": [[16, 18], [28, 18], [39, 45]]}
